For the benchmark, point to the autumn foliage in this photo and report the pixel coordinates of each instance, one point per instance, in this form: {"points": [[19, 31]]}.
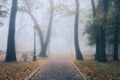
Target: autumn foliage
{"points": [[17, 71], [100, 71]]}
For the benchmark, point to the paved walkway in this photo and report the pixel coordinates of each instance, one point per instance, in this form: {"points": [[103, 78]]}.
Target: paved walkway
{"points": [[58, 69]]}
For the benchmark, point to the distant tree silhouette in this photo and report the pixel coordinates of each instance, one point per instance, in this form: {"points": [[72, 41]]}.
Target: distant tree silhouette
{"points": [[43, 43], [36, 25], [43, 51]]}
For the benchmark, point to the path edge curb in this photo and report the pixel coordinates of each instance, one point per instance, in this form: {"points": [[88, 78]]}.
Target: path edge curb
{"points": [[83, 76], [34, 72]]}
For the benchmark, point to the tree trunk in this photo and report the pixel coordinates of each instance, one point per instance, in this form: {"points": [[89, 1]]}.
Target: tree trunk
{"points": [[97, 44], [37, 28], [116, 37], [97, 36], [11, 51], [116, 45], [42, 53], [49, 30], [102, 52], [102, 37], [93, 8], [76, 40]]}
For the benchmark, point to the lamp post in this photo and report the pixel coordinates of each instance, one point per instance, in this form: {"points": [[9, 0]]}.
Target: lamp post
{"points": [[34, 56]]}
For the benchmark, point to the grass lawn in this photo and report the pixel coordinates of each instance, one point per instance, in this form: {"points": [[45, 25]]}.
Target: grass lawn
{"points": [[100, 71], [17, 70]]}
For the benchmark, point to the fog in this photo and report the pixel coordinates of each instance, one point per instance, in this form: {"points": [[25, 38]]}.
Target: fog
{"points": [[62, 37]]}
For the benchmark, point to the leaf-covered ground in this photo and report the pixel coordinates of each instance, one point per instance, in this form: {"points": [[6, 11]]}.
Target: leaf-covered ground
{"points": [[100, 71], [17, 70]]}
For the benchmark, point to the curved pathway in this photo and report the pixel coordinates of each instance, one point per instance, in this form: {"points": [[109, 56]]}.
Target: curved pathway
{"points": [[58, 69]]}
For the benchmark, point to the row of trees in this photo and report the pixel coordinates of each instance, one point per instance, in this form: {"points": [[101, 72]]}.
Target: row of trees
{"points": [[104, 29], [11, 51], [27, 8]]}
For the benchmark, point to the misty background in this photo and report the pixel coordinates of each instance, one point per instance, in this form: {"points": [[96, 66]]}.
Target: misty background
{"points": [[62, 37]]}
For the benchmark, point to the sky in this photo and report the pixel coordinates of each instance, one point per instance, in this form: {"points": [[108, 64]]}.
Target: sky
{"points": [[62, 37]]}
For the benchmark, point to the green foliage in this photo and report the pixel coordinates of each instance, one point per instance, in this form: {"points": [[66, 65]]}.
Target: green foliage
{"points": [[3, 10], [93, 25], [31, 3], [3, 13], [92, 29], [117, 3]]}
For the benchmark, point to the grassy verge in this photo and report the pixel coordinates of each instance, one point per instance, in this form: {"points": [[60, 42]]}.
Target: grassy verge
{"points": [[100, 71], [17, 70]]}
